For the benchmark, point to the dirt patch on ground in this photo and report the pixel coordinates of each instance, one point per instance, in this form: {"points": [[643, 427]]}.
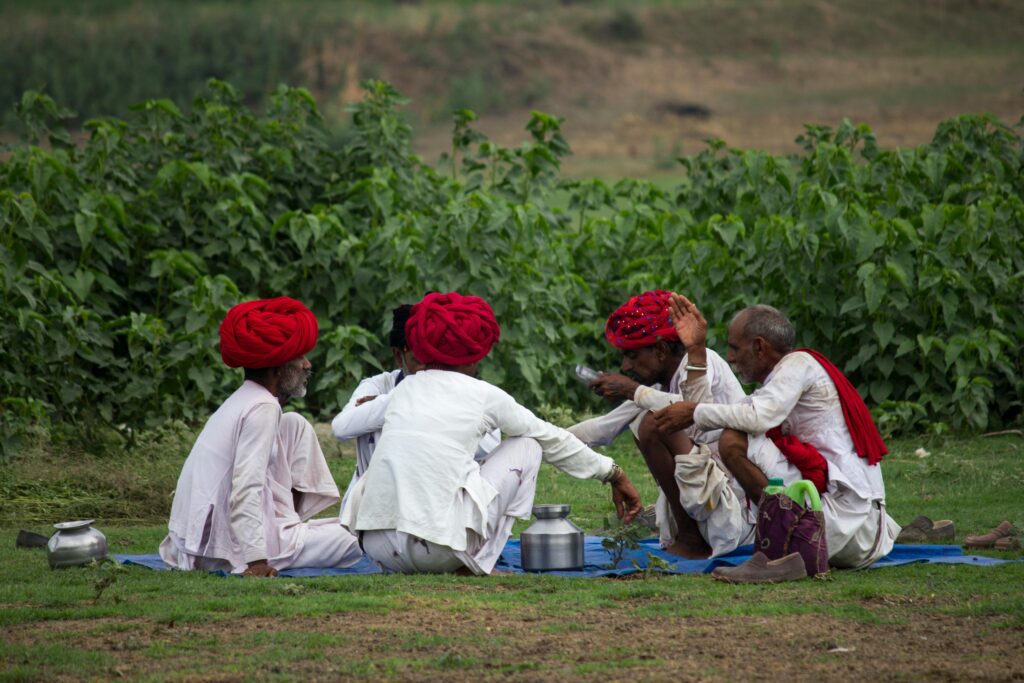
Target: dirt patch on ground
{"points": [[524, 645], [757, 73]]}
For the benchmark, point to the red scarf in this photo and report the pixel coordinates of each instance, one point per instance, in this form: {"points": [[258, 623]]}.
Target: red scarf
{"points": [[866, 439], [803, 456]]}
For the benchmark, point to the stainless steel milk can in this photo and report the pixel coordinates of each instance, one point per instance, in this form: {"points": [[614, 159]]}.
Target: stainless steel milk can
{"points": [[551, 542]]}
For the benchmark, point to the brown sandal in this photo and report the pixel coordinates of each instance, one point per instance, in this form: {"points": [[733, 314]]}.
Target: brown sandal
{"points": [[923, 529], [1000, 535]]}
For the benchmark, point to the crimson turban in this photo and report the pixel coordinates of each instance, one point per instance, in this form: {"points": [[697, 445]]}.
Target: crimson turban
{"points": [[451, 329], [644, 320], [267, 333]]}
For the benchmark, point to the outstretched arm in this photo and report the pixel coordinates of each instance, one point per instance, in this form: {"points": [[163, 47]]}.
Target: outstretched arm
{"points": [[564, 451]]}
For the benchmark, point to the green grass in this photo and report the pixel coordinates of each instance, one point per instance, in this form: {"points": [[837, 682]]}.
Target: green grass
{"points": [[59, 624]]}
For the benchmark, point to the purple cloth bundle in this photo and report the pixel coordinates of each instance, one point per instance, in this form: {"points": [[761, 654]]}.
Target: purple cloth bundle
{"points": [[785, 526]]}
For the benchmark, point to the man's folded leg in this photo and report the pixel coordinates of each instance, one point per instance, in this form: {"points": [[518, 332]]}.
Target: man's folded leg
{"points": [[706, 496], [325, 543], [512, 469]]}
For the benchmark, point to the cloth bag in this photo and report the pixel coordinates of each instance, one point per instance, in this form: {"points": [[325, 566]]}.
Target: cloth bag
{"points": [[785, 526]]}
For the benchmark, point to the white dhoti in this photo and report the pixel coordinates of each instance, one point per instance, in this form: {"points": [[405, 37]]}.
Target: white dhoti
{"points": [[512, 469], [858, 530]]}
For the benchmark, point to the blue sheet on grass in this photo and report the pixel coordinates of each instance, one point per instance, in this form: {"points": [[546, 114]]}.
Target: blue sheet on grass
{"points": [[596, 560]]}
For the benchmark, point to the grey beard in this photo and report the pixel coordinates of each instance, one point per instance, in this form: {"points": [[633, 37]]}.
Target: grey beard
{"points": [[295, 393], [293, 386]]}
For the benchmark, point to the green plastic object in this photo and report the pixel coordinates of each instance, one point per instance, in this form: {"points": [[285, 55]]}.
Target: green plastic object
{"points": [[775, 485], [802, 490]]}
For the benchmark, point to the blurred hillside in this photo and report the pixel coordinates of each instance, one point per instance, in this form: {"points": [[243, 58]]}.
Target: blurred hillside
{"points": [[638, 81]]}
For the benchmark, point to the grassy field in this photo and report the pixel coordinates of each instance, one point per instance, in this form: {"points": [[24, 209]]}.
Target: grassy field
{"points": [[109, 621]]}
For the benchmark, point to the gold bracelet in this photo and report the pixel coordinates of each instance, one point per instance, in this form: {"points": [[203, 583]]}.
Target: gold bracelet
{"points": [[612, 475]]}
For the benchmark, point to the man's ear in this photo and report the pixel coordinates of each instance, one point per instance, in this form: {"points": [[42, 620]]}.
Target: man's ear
{"points": [[759, 346]]}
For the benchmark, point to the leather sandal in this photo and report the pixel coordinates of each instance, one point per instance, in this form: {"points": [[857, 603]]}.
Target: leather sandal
{"points": [[924, 529], [759, 569], [1004, 531], [1008, 543]]}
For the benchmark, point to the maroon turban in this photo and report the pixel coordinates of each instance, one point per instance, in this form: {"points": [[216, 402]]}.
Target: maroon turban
{"points": [[642, 321], [267, 333], [451, 329]]}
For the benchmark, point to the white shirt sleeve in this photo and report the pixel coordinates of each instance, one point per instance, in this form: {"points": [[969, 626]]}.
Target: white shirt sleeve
{"points": [[652, 398], [602, 430], [559, 448], [765, 408], [354, 421], [249, 476]]}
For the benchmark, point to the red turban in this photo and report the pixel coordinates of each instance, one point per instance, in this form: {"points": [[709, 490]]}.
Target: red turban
{"points": [[267, 333], [451, 329], [644, 320]]}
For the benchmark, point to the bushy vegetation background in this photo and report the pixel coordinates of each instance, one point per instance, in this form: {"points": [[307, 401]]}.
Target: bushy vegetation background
{"points": [[120, 255]]}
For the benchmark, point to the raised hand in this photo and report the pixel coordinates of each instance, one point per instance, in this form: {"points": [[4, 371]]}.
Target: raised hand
{"points": [[689, 322]]}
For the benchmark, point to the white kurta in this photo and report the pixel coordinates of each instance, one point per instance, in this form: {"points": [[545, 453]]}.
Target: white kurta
{"points": [[364, 422], [722, 385], [423, 479], [707, 490], [800, 397], [234, 502]]}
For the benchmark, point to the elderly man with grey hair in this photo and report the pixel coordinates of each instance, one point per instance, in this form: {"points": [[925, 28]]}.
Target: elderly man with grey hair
{"points": [[805, 419]]}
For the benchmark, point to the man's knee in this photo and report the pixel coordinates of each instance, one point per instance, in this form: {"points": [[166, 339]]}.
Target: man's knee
{"points": [[647, 430], [732, 444], [527, 450], [651, 442], [295, 424]]}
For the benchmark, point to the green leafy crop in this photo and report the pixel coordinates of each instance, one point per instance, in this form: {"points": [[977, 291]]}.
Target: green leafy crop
{"points": [[120, 255]]}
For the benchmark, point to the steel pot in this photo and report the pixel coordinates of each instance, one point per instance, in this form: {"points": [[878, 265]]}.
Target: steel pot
{"points": [[75, 543], [551, 542]]}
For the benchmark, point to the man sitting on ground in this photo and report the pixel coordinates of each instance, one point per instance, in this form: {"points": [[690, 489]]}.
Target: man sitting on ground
{"points": [[805, 411], [362, 418], [657, 372], [424, 504], [255, 475]]}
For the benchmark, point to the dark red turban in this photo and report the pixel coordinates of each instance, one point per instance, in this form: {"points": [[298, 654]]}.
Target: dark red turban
{"points": [[642, 321], [451, 329], [267, 333]]}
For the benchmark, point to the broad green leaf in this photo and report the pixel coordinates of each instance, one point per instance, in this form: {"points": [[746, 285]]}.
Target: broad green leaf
{"points": [[883, 331]]}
